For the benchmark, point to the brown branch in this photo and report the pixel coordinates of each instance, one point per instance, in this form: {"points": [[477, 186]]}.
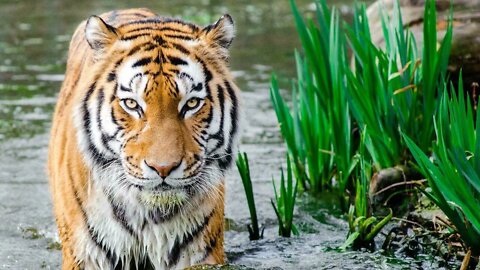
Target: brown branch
{"points": [[419, 182]]}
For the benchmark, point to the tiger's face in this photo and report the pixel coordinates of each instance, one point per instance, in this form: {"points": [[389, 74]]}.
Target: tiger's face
{"points": [[162, 108]]}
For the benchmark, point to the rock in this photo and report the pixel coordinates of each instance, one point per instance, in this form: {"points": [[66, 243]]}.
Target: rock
{"points": [[390, 186], [465, 52]]}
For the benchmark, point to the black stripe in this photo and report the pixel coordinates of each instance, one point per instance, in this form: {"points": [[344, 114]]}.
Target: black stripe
{"points": [[233, 111], [111, 28], [180, 48], [219, 136], [95, 154], [157, 60], [133, 78], [182, 37], [119, 214], [173, 93], [113, 97], [206, 71], [158, 20], [134, 50], [143, 264], [132, 37], [75, 191], [208, 77], [159, 40], [145, 21], [126, 89], [93, 235], [209, 117], [111, 257], [188, 237], [111, 76], [145, 47], [176, 61], [198, 142], [198, 87], [116, 132], [149, 47], [145, 28], [168, 28], [105, 138], [77, 198], [162, 56], [118, 63], [212, 244], [142, 62], [112, 113], [185, 75], [157, 29], [227, 160]]}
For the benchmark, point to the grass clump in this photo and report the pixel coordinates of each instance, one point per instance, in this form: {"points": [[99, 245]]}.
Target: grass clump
{"points": [[395, 90], [244, 170], [363, 225], [384, 91], [453, 172], [317, 130], [380, 93], [284, 203]]}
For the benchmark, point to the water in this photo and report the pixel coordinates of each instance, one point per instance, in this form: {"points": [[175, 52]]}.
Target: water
{"points": [[33, 42]]}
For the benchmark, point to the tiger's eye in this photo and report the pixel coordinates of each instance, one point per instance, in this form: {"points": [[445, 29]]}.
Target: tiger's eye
{"points": [[131, 104], [192, 103]]}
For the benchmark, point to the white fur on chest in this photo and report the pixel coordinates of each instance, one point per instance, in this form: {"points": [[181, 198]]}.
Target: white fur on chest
{"points": [[155, 241]]}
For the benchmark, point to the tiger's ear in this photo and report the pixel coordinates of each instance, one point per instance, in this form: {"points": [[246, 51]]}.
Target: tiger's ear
{"points": [[220, 34], [99, 34]]}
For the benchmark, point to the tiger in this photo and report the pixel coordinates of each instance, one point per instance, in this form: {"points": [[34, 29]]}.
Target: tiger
{"points": [[145, 128]]}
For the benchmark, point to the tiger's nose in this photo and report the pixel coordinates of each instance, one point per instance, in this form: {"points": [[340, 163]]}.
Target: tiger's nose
{"points": [[163, 169]]}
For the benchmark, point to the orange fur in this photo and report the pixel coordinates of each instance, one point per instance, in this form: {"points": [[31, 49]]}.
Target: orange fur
{"points": [[158, 136]]}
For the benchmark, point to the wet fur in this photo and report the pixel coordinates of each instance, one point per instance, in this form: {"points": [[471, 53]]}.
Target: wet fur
{"points": [[97, 150]]}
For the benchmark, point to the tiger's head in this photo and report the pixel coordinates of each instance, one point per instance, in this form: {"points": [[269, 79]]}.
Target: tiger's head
{"points": [[161, 107]]}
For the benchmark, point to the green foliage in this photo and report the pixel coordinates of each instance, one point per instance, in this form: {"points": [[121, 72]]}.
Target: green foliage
{"points": [[392, 90], [244, 170], [453, 172], [391, 94], [363, 226], [284, 203], [317, 130]]}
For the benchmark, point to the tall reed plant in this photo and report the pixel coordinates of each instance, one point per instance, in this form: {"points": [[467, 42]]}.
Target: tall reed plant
{"points": [[387, 91], [284, 203], [395, 89], [317, 129], [244, 170], [453, 172]]}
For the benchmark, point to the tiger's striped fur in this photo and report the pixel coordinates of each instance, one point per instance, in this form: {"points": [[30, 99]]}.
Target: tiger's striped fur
{"points": [[145, 127]]}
